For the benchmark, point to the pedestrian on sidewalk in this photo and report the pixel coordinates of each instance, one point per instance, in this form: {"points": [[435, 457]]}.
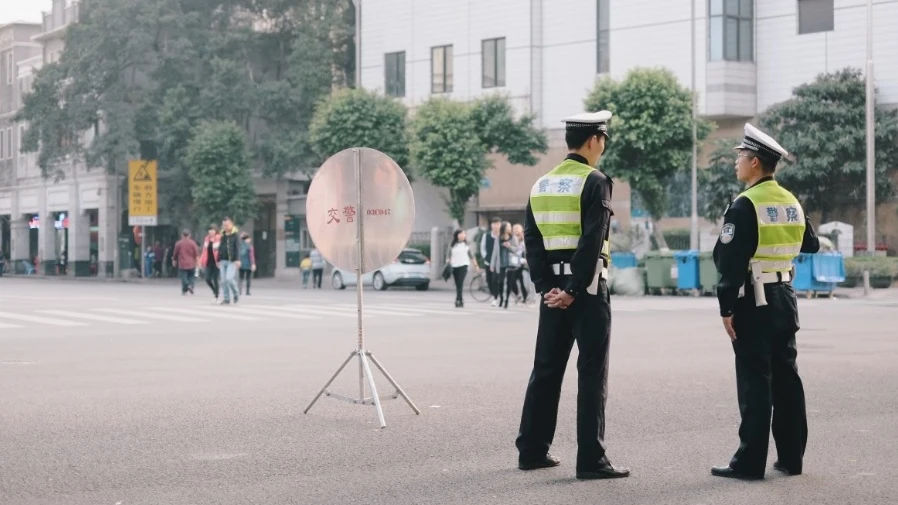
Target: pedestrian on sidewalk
{"points": [[306, 266], [317, 268], [229, 260], [247, 261], [460, 256], [209, 260], [184, 259]]}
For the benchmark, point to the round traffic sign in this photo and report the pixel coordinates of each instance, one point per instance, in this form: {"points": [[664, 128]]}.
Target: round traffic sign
{"points": [[386, 213]]}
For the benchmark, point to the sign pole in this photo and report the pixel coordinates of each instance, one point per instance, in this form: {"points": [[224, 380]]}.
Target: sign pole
{"points": [[143, 254], [360, 352]]}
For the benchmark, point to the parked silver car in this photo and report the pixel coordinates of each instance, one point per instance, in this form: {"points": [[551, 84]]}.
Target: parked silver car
{"points": [[411, 268]]}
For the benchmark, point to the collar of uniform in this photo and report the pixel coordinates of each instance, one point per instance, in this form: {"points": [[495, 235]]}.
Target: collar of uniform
{"points": [[578, 158], [763, 180]]}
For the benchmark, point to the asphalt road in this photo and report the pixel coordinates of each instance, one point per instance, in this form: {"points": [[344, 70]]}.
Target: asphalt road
{"points": [[130, 394]]}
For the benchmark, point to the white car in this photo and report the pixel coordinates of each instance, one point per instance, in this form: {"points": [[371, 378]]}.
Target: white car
{"points": [[411, 268]]}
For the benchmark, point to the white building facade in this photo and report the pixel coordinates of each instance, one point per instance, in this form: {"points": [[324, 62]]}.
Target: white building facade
{"points": [[547, 54]]}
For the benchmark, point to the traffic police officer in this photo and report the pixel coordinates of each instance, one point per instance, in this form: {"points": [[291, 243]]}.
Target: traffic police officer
{"points": [[566, 238], [764, 229]]}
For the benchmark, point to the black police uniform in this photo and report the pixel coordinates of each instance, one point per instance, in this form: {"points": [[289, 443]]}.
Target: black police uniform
{"points": [[766, 374], [587, 320]]}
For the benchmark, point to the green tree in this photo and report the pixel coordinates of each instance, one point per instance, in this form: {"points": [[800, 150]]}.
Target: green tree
{"points": [[447, 151], [221, 183], [360, 118], [451, 142], [823, 127], [717, 184], [651, 133], [142, 74]]}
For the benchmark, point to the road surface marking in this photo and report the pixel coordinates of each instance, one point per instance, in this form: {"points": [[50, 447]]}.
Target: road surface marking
{"points": [[42, 320], [214, 313], [272, 312], [92, 317], [153, 315]]}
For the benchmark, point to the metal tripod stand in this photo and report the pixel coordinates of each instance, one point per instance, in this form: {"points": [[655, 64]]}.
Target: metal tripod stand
{"points": [[360, 352]]}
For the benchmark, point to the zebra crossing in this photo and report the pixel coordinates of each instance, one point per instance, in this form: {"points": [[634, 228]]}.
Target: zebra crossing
{"points": [[275, 310], [244, 312]]}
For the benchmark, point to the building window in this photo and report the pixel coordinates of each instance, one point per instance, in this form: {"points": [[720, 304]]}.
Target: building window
{"points": [[493, 63], [394, 74], [603, 53], [815, 16], [9, 68], [21, 139], [731, 30], [9, 143], [441, 69]]}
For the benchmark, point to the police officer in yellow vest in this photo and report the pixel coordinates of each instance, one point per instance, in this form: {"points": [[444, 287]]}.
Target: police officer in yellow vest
{"points": [[764, 229], [566, 238]]}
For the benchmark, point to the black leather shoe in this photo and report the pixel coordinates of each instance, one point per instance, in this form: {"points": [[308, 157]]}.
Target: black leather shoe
{"points": [[726, 471], [547, 461], [779, 467], [606, 471]]}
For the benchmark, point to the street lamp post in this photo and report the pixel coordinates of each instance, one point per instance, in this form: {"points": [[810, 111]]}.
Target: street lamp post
{"points": [[871, 144], [693, 232], [358, 43]]}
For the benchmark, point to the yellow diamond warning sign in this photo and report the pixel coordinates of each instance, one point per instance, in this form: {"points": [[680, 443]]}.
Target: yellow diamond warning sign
{"points": [[142, 193]]}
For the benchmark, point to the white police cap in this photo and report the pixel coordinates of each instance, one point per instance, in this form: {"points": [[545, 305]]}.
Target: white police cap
{"points": [[597, 121], [761, 143]]}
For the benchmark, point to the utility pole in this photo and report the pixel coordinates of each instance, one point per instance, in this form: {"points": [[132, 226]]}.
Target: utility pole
{"points": [[693, 232]]}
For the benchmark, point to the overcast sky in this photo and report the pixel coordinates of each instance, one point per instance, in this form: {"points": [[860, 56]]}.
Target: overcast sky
{"points": [[23, 10]]}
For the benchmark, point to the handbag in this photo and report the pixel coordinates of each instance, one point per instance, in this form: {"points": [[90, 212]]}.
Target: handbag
{"points": [[447, 272]]}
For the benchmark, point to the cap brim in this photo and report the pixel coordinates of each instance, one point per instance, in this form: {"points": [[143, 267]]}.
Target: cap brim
{"points": [[743, 145], [607, 137]]}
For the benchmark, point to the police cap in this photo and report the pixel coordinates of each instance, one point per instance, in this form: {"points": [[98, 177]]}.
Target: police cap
{"points": [[595, 121], [762, 144]]}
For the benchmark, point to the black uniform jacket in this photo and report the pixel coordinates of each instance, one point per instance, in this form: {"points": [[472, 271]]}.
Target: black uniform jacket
{"points": [[595, 217], [732, 259]]}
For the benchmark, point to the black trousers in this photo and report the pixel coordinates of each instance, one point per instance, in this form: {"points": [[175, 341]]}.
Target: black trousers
{"points": [[767, 381], [248, 275], [459, 274], [491, 278], [317, 273], [212, 275], [588, 321]]}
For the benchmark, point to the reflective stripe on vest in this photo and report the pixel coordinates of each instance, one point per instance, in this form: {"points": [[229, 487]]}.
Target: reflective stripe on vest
{"points": [[781, 224], [555, 202]]}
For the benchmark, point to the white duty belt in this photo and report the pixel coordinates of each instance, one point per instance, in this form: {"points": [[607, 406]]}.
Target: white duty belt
{"points": [[759, 278], [593, 288]]}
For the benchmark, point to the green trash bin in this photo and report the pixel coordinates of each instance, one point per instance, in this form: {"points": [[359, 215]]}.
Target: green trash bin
{"points": [[707, 273], [660, 268]]}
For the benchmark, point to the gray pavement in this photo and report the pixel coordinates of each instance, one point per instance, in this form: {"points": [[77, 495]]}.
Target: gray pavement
{"points": [[131, 394]]}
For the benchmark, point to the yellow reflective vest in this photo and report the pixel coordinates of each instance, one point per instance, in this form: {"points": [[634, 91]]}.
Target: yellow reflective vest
{"points": [[555, 202], [781, 224]]}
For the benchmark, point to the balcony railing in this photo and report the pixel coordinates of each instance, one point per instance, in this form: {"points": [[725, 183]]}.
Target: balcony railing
{"points": [[58, 19]]}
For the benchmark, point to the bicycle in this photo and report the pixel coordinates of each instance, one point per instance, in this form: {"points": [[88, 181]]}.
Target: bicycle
{"points": [[479, 288]]}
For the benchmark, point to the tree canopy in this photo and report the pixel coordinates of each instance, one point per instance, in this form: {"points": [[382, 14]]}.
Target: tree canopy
{"points": [[651, 132], [451, 141], [823, 127], [221, 183], [139, 75], [717, 183], [357, 117]]}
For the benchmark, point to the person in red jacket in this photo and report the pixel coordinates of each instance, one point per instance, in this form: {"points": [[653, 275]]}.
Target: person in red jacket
{"points": [[184, 259]]}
